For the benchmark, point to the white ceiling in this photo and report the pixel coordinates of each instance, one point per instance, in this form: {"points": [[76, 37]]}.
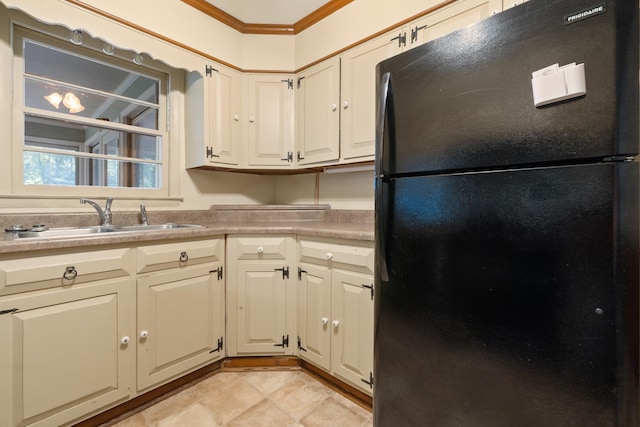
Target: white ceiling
{"points": [[285, 12]]}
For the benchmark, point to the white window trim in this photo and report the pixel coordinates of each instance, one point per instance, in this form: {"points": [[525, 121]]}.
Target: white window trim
{"points": [[170, 125]]}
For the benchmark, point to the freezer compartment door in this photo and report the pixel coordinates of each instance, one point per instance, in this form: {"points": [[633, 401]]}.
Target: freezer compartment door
{"points": [[466, 100], [511, 299]]}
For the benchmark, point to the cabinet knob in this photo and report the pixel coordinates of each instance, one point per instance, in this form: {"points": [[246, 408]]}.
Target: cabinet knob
{"points": [[124, 340], [325, 320], [335, 323], [345, 105], [144, 334], [329, 256], [252, 119], [334, 107], [184, 257], [236, 118], [260, 250]]}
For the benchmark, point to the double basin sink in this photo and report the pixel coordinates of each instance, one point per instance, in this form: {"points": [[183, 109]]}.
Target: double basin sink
{"points": [[94, 230]]}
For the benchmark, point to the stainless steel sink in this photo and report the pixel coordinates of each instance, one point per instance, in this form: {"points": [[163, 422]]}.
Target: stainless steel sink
{"points": [[94, 230]]}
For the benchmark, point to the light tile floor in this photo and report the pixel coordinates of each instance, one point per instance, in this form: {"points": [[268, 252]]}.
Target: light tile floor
{"points": [[254, 398]]}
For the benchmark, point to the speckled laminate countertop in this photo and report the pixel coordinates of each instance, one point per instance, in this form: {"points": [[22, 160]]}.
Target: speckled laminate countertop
{"points": [[308, 220]]}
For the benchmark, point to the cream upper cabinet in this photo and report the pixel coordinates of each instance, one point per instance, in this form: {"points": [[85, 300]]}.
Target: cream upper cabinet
{"points": [[453, 17], [180, 309], [268, 121], [508, 4], [67, 352], [260, 295], [318, 113], [358, 103], [213, 117], [335, 308]]}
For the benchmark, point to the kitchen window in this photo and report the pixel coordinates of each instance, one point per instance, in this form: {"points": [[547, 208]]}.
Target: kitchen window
{"points": [[91, 116]]}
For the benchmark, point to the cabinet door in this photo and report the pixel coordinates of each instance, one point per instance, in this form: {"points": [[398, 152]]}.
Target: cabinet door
{"points": [[358, 89], [223, 117], [180, 322], [314, 315], [260, 309], [63, 355], [268, 120], [458, 15], [352, 328], [317, 113]]}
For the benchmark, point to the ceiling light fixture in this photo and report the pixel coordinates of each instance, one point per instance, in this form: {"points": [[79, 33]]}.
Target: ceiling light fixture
{"points": [[54, 99], [72, 102], [69, 100]]}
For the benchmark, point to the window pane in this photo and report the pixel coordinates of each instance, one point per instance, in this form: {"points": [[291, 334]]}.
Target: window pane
{"points": [[52, 133], [56, 64], [50, 96], [49, 169]]}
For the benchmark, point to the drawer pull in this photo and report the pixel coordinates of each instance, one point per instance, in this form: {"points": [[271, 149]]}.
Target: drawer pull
{"points": [[70, 273], [184, 257], [329, 256], [260, 250]]}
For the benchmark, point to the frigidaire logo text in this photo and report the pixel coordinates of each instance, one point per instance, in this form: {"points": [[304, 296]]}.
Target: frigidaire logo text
{"points": [[583, 14]]}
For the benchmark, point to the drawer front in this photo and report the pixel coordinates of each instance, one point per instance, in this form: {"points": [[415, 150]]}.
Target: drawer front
{"points": [[66, 269], [181, 254], [337, 254], [259, 247]]}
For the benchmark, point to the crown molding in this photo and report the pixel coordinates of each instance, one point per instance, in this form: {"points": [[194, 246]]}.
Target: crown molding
{"points": [[282, 29]]}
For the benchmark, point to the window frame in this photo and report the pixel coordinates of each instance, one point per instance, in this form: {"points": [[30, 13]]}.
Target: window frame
{"points": [[58, 37]]}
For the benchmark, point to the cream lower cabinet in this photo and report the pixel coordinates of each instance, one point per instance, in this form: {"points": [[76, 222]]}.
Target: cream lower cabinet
{"points": [[68, 349], [335, 308], [260, 295], [180, 309]]}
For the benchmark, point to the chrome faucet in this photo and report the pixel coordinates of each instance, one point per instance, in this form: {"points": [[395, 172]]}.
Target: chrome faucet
{"points": [[105, 215], [143, 214]]}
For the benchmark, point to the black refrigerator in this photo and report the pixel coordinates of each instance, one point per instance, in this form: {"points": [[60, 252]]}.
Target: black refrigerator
{"points": [[507, 222]]}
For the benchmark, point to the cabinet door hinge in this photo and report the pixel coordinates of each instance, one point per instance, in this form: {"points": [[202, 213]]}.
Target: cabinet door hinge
{"points": [[289, 157], [300, 80], [300, 347], [208, 70], [11, 310], [285, 272], [210, 152], [285, 342], [370, 382], [289, 83], [300, 271], [414, 33], [300, 156], [402, 39], [218, 271], [220, 345], [370, 287]]}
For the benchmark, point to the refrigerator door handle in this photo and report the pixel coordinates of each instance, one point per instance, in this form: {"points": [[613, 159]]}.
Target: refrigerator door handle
{"points": [[381, 114], [380, 220]]}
